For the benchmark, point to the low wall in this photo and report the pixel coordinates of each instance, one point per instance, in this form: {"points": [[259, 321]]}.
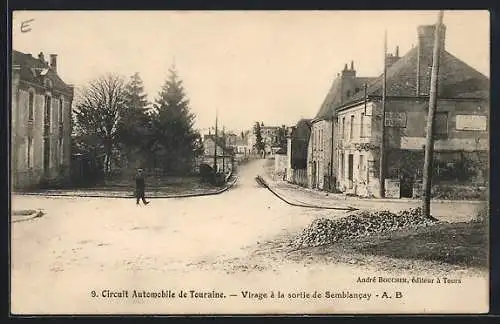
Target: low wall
{"points": [[279, 164]]}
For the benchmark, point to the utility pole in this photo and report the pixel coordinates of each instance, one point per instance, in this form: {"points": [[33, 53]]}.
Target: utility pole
{"points": [[223, 149], [382, 135], [429, 142], [215, 142]]}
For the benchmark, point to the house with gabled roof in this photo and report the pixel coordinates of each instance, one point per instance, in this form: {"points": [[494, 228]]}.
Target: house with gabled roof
{"points": [[40, 121], [460, 128], [213, 145], [321, 167]]}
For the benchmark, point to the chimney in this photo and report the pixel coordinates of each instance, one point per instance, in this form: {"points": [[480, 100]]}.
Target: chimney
{"points": [[426, 37], [347, 83], [41, 57], [425, 48], [391, 59], [349, 72], [53, 62]]}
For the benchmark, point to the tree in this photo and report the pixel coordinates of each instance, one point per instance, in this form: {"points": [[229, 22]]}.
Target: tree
{"points": [[177, 144], [134, 128], [97, 115], [259, 143]]}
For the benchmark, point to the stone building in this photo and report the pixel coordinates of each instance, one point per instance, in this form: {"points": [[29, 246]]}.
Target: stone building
{"points": [[270, 137], [460, 132], [321, 166], [41, 121], [213, 145]]}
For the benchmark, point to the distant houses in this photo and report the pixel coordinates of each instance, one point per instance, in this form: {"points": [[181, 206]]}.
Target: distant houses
{"points": [[215, 151], [41, 121], [343, 147]]}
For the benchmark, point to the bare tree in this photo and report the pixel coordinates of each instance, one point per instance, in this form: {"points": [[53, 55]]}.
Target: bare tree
{"points": [[97, 114]]}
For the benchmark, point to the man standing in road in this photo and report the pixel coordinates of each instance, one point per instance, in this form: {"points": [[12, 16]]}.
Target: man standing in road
{"points": [[140, 187]]}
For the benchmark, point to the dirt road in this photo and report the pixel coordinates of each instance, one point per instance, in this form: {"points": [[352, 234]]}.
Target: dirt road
{"points": [[86, 254]]}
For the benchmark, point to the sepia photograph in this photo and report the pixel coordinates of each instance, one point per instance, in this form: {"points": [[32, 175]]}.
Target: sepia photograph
{"points": [[249, 162]]}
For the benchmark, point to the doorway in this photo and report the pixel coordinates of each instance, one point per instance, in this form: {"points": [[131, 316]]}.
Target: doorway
{"points": [[350, 168], [406, 186], [46, 136], [314, 175]]}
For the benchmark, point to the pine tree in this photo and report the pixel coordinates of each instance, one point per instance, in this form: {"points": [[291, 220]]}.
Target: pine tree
{"points": [[259, 143], [135, 132], [177, 143]]}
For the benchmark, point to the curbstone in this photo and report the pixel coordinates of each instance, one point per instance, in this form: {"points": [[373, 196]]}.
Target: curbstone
{"points": [[263, 182], [130, 196], [395, 200], [19, 219]]}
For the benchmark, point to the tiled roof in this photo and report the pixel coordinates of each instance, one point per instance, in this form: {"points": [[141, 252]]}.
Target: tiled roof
{"points": [[334, 97], [456, 79], [34, 70], [219, 140], [332, 100]]}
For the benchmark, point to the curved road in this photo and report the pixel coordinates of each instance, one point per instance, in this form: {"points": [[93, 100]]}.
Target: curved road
{"points": [[107, 246]]}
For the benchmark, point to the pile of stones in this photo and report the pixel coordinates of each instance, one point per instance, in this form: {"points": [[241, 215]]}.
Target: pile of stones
{"points": [[361, 223]]}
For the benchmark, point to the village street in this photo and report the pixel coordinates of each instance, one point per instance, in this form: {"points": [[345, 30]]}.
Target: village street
{"points": [[83, 246]]}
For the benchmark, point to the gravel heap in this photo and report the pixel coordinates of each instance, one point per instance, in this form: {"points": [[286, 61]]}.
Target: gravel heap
{"points": [[359, 224]]}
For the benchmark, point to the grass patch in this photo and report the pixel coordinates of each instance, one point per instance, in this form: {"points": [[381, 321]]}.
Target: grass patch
{"points": [[463, 244]]}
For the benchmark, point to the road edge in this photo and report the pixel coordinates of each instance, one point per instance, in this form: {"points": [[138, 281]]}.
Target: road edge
{"points": [[227, 187], [264, 183]]}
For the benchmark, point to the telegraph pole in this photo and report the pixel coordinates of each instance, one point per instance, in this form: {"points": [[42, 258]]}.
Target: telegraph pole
{"points": [[382, 133], [429, 142], [215, 142], [223, 149]]}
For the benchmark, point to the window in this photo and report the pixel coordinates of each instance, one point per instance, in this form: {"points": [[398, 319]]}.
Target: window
{"points": [[441, 123], [343, 127], [31, 102], [351, 130], [47, 115], [342, 166], [46, 134], [61, 150], [321, 140], [60, 111], [29, 153]]}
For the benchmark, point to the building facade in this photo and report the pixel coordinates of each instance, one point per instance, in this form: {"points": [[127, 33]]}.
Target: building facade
{"points": [[213, 149], [322, 162], [41, 121], [460, 125]]}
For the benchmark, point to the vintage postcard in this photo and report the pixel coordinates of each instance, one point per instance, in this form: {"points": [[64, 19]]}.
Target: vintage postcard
{"points": [[249, 162]]}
